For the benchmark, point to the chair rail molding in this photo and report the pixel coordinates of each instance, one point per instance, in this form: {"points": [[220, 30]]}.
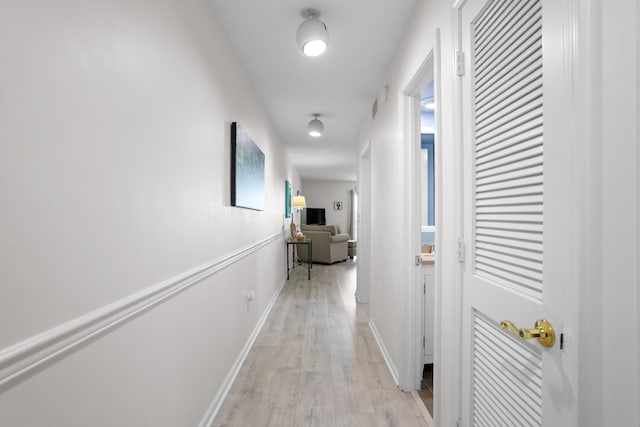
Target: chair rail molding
{"points": [[40, 351]]}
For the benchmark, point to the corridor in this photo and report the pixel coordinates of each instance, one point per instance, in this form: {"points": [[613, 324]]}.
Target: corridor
{"points": [[316, 362]]}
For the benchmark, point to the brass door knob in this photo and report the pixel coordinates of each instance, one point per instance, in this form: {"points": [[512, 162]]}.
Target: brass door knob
{"points": [[542, 330]]}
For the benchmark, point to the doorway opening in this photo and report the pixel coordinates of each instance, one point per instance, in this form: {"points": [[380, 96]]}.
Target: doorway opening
{"points": [[422, 120], [427, 238]]}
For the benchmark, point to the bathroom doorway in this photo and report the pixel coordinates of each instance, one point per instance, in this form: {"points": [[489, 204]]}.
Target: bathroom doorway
{"points": [[427, 238], [422, 124]]}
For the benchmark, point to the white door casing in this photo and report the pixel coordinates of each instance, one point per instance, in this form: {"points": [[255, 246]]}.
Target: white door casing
{"points": [[428, 281], [363, 265], [515, 221], [410, 366]]}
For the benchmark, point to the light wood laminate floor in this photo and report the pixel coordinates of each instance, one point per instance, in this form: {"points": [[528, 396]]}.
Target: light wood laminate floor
{"points": [[316, 362]]}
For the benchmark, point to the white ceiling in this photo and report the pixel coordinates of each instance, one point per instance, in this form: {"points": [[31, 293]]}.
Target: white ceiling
{"points": [[340, 85]]}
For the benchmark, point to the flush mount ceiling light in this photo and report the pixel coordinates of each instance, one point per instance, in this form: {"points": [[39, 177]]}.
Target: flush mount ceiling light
{"points": [[315, 127], [428, 104], [312, 34]]}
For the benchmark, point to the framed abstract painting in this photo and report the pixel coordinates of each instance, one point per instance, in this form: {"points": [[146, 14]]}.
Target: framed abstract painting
{"points": [[247, 171], [287, 199]]}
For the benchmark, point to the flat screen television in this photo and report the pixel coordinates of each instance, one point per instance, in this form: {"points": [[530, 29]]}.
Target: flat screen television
{"points": [[315, 216]]}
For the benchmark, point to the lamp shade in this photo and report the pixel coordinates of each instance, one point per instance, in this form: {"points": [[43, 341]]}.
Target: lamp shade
{"points": [[312, 35], [299, 202], [315, 127]]}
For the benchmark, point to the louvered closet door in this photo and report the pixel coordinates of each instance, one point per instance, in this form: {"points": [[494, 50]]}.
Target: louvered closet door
{"points": [[507, 381]]}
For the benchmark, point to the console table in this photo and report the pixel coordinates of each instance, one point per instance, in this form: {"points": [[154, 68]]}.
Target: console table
{"points": [[294, 261]]}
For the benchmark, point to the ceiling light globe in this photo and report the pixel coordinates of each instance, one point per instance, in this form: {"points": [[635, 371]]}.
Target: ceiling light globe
{"points": [[315, 128], [428, 104], [312, 37], [314, 48]]}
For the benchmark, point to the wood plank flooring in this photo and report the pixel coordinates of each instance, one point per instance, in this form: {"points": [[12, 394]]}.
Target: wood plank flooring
{"points": [[316, 362]]}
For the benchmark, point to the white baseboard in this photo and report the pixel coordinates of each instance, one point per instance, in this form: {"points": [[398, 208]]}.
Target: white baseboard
{"points": [[216, 403], [423, 409], [387, 358]]}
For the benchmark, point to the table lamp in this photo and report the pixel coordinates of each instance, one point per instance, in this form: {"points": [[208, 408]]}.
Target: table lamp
{"points": [[298, 203]]}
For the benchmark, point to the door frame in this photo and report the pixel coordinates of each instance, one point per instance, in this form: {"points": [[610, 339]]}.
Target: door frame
{"points": [[410, 369], [363, 265]]}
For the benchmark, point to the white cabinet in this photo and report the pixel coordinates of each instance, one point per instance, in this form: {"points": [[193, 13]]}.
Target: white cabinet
{"points": [[428, 332]]}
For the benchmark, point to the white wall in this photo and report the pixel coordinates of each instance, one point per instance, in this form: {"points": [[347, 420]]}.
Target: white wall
{"points": [[604, 327], [322, 194], [114, 178], [390, 260]]}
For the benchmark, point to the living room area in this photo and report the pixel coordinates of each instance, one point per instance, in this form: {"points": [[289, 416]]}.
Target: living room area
{"points": [[329, 220]]}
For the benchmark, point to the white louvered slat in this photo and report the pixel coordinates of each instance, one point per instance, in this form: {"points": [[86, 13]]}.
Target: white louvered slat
{"points": [[514, 160], [509, 244], [510, 137], [506, 77], [530, 251], [524, 374], [514, 100], [509, 202], [513, 230], [499, 22], [510, 177], [515, 35], [498, 389], [508, 129], [486, 390], [491, 13], [525, 184], [511, 226], [507, 149], [501, 56], [510, 192], [508, 67], [521, 87], [516, 252], [513, 120], [507, 259], [506, 378], [519, 387], [522, 165], [515, 238]]}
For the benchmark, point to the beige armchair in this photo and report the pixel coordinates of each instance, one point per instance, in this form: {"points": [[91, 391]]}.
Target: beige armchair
{"points": [[327, 246]]}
